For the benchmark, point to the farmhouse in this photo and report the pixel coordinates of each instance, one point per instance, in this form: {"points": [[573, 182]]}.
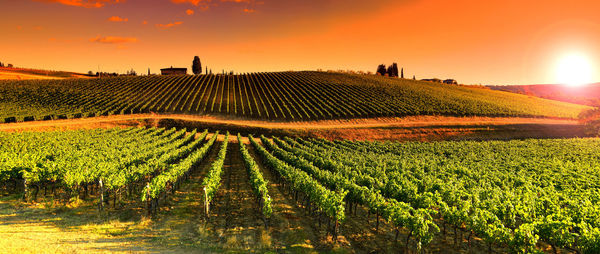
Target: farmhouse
{"points": [[433, 80], [173, 71], [450, 82]]}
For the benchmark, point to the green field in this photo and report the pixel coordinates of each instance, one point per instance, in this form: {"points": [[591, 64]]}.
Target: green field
{"points": [[283, 96], [516, 196]]}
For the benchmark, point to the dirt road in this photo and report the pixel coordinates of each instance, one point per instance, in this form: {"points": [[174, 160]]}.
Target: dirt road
{"points": [[390, 128]]}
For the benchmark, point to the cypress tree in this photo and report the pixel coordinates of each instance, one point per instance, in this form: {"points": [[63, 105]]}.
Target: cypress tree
{"points": [[402, 73], [381, 70], [196, 66]]}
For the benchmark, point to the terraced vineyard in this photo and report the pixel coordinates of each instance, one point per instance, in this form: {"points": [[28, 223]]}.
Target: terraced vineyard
{"points": [[287, 96], [517, 196]]}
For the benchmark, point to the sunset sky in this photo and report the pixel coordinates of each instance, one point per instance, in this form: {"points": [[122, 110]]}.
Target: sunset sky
{"points": [[473, 41]]}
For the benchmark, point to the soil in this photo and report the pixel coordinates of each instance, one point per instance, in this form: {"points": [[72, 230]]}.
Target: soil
{"points": [[419, 128]]}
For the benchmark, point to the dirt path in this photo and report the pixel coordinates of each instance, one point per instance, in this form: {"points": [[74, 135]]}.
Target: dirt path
{"points": [[412, 128], [181, 219], [235, 216], [291, 227], [409, 121]]}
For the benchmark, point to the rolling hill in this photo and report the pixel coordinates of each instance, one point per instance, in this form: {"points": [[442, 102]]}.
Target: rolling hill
{"points": [[281, 96], [28, 74], [585, 95]]}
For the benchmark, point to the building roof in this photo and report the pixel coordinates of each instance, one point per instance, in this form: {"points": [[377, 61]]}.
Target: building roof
{"points": [[174, 69]]}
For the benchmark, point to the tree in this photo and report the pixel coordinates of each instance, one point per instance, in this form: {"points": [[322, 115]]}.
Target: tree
{"points": [[390, 71], [196, 66], [414, 78], [131, 72], [206, 70], [90, 73], [1, 64], [401, 73], [381, 69], [9, 65], [148, 71]]}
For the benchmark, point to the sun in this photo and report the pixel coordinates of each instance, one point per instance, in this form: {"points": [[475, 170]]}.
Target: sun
{"points": [[574, 69]]}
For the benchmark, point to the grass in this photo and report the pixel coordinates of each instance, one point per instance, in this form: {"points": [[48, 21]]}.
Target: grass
{"points": [[51, 227], [8, 75]]}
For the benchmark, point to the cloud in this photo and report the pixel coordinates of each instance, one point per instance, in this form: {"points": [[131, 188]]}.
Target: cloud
{"points": [[205, 4], [202, 4], [59, 40], [189, 12], [84, 3], [165, 26], [238, 1], [193, 2], [113, 39], [117, 19]]}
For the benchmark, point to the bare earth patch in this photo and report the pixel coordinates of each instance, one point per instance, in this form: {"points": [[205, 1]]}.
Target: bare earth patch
{"points": [[420, 128]]}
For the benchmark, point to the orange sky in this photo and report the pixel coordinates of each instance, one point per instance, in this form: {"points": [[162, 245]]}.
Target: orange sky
{"points": [[487, 42]]}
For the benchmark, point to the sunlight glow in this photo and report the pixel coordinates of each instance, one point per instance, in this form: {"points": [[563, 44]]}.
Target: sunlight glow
{"points": [[574, 69]]}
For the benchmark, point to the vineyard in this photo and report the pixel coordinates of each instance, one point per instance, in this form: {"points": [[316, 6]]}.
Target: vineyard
{"points": [[519, 196], [283, 96]]}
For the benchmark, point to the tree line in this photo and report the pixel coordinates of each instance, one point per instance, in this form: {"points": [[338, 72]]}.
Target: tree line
{"points": [[390, 71], [6, 65], [197, 68]]}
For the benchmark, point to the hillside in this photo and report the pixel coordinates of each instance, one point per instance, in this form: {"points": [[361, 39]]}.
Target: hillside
{"points": [[283, 96], [27, 74], [585, 95]]}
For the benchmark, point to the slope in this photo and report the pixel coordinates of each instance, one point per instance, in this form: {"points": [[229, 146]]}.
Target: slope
{"points": [[282, 96]]}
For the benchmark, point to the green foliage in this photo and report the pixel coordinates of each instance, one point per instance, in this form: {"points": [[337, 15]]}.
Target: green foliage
{"points": [[515, 194], [259, 184], [400, 214], [173, 173], [509, 193], [524, 239], [329, 202], [212, 181], [556, 230], [589, 240]]}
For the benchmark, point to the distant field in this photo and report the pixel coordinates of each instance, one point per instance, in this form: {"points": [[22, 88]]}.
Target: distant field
{"points": [[8, 75], [27, 74], [585, 95], [283, 96]]}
